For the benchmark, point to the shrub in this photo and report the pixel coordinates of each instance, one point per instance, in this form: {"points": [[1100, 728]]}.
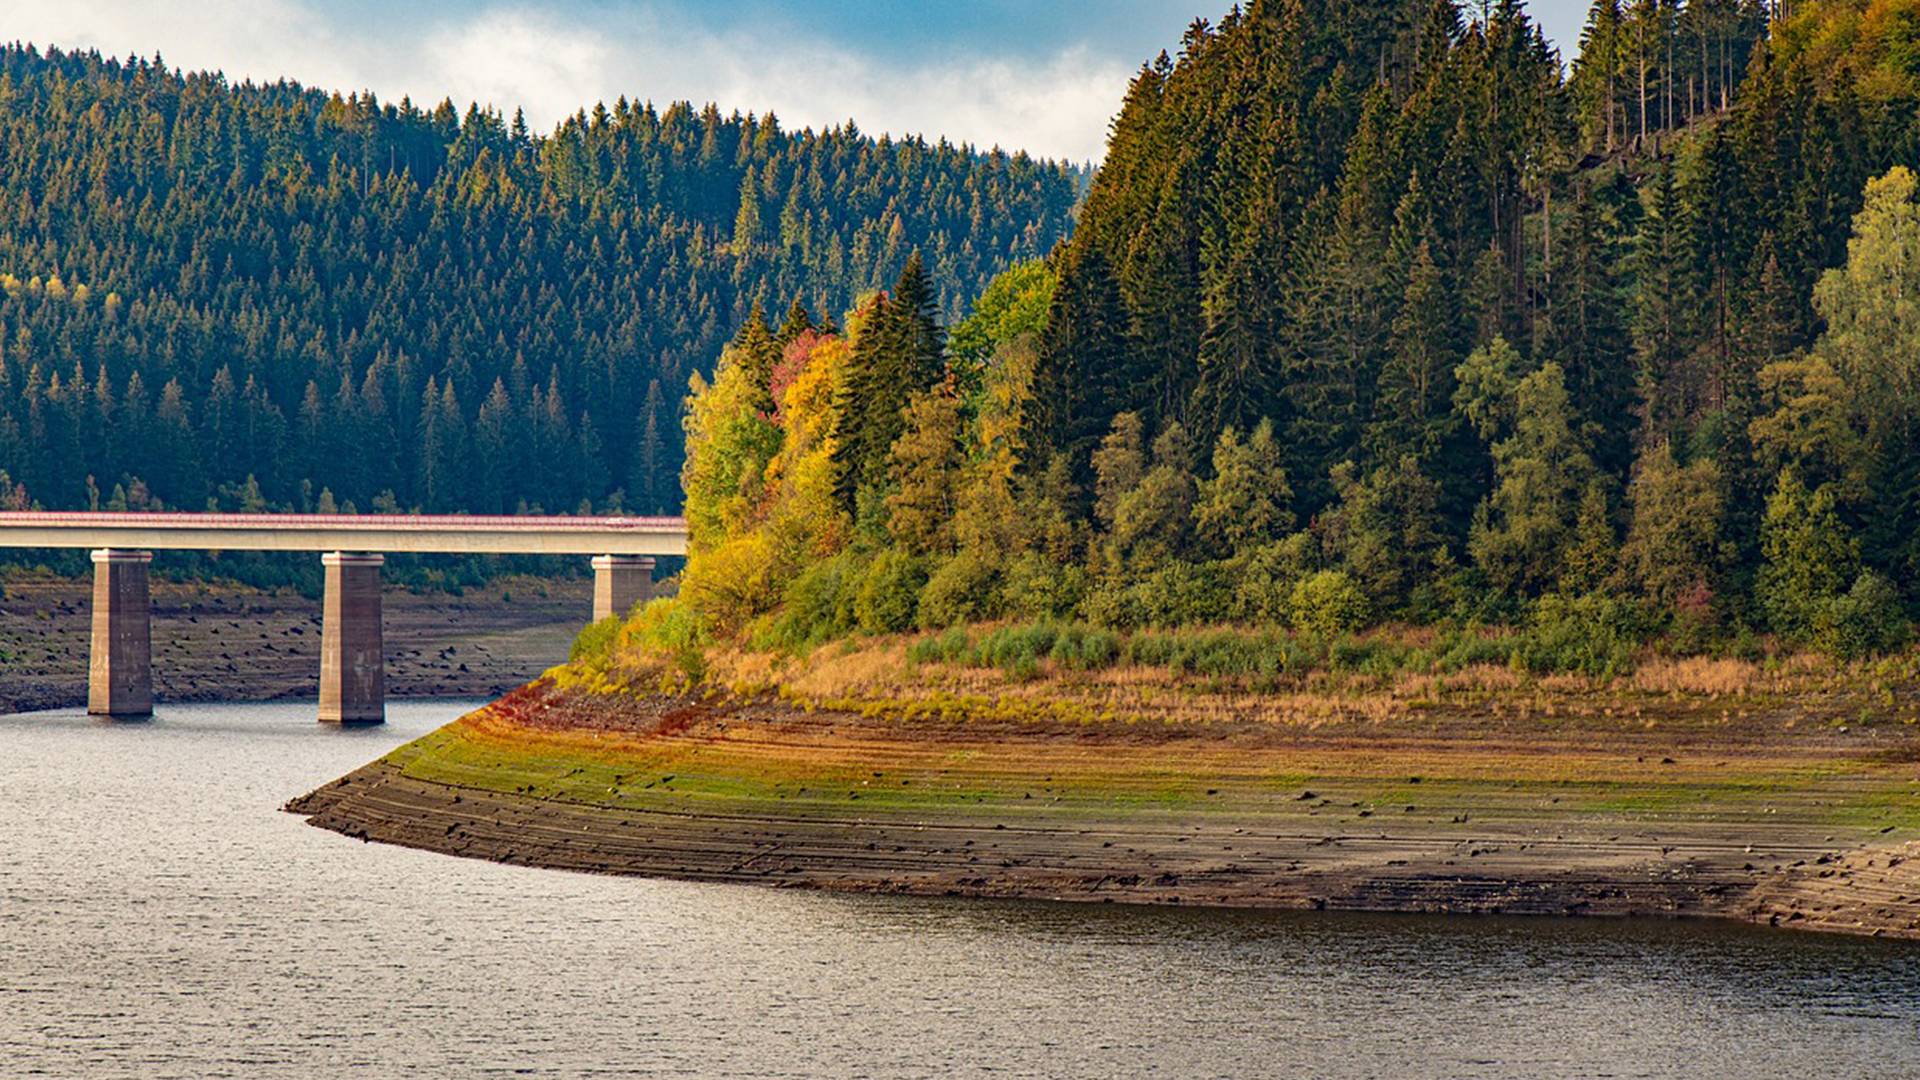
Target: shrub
{"points": [[1017, 649], [1264, 582], [1327, 604], [1113, 604], [594, 645], [1035, 587], [1184, 594], [1086, 648], [961, 590], [1458, 650], [1215, 653], [669, 624], [889, 593], [737, 580], [1696, 619], [953, 647], [1867, 620], [1228, 653], [818, 604], [1590, 635]]}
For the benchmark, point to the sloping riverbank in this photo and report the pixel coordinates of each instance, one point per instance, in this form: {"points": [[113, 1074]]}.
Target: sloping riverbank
{"points": [[1442, 809], [232, 643]]}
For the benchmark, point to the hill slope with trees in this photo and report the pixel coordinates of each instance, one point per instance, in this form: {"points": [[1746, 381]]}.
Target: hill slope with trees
{"points": [[1375, 313], [252, 296]]}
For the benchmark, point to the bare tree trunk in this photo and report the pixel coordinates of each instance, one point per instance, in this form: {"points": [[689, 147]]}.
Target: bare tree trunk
{"points": [[1643, 84], [1546, 229], [1666, 74]]}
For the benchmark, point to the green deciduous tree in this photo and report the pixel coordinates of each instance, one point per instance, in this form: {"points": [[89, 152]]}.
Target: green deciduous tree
{"points": [[1521, 537], [1809, 555], [1247, 501], [1674, 540]]}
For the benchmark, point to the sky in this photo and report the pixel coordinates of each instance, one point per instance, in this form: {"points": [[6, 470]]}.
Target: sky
{"points": [[1043, 76]]}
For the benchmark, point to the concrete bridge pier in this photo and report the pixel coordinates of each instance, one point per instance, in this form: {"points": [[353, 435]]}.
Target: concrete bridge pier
{"points": [[120, 669], [619, 582], [353, 678]]}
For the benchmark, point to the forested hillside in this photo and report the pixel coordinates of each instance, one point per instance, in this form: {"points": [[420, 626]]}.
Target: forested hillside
{"points": [[252, 296], [1376, 312]]}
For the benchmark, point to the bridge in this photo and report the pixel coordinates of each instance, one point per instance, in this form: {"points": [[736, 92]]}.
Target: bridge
{"points": [[352, 549]]}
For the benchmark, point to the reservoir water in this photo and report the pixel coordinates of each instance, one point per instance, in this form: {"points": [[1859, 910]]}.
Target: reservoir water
{"points": [[160, 917]]}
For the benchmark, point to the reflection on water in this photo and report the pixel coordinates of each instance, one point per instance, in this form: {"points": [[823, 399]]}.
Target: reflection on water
{"points": [[159, 917]]}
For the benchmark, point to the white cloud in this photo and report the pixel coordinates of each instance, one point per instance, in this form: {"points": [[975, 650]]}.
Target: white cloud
{"points": [[1059, 107], [259, 39], [512, 57], [511, 60]]}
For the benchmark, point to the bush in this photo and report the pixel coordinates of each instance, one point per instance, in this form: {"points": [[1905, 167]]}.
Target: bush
{"points": [[1215, 653], [1086, 648], [889, 593], [1697, 626], [595, 644], [961, 590], [740, 579], [1590, 635], [819, 604], [1113, 604], [1458, 650], [1328, 604], [953, 647], [1017, 649], [669, 623], [674, 626], [1868, 620], [1184, 594], [1263, 579], [1035, 587]]}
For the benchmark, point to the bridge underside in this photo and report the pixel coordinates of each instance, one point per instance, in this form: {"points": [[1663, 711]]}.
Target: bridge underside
{"points": [[352, 664], [335, 532], [352, 657]]}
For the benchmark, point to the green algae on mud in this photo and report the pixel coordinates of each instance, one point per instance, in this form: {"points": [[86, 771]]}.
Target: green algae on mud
{"points": [[1445, 814]]}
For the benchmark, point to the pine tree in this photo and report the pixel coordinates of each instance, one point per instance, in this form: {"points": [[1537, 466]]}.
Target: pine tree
{"points": [[647, 482], [1590, 341], [494, 452], [1412, 414], [1082, 354]]}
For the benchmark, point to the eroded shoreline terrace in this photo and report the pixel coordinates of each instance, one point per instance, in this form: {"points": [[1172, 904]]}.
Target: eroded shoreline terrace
{"points": [[1657, 798]]}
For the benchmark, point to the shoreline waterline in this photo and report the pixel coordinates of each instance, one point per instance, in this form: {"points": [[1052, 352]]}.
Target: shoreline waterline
{"points": [[756, 792]]}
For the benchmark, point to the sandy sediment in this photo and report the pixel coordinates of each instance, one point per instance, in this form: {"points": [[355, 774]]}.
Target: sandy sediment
{"points": [[1266, 838]]}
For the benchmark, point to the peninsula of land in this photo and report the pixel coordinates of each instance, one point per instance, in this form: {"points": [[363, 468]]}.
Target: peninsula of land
{"points": [[1716, 789]]}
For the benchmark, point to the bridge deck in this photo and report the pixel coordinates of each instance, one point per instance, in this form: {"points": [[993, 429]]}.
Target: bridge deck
{"points": [[341, 532]]}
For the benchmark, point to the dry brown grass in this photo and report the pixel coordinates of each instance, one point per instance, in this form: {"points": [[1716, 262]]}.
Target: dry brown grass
{"points": [[1699, 675], [875, 676], [1481, 677]]}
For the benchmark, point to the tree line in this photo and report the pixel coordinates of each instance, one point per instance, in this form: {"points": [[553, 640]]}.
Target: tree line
{"points": [[1374, 314], [248, 296]]}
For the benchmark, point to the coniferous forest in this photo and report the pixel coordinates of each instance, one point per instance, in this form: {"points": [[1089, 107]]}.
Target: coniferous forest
{"points": [[254, 297], [1383, 313]]}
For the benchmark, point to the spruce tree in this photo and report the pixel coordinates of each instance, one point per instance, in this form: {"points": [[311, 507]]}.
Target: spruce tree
{"points": [[1082, 355]]}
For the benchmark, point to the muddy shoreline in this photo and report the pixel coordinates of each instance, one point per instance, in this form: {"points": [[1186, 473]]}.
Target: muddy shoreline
{"points": [[1159, 859], [229, 643], [1459, 850]]}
